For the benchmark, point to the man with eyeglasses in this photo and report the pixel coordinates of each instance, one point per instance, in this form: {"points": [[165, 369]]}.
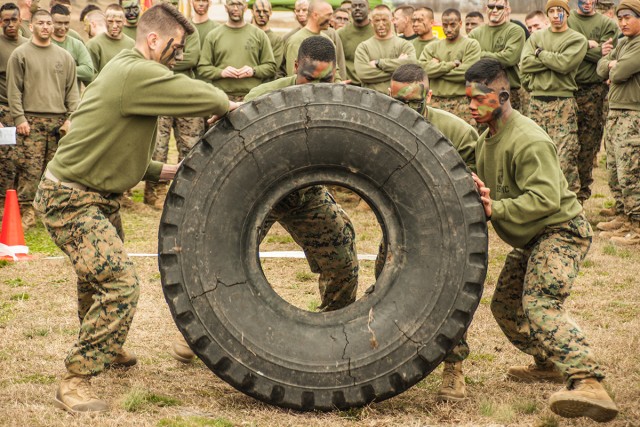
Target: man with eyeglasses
{"points": [[353, 34], [236, 57], [550, 60], [502, 40], [340, 18], [592, 90]]}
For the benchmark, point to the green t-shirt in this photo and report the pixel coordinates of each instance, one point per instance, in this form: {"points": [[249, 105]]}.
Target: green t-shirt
{"points": [[130, 32], [236, 47], [112, 135], [7, 46], [445, 79], [351, 37], [387, 53], [595, 27], [462, 135], [419, 44], [528, 190], [205, 28], [41, 80], [553, 71], [503, 42], [624, 91], [84, 65], [270, 87], [102, 49]]}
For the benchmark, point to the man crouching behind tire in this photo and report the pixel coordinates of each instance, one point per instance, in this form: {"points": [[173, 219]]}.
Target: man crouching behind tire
{"points": [[305, 212], [527, 199]]}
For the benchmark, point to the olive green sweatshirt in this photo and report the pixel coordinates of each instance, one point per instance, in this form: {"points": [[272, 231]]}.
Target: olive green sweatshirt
{"points": [[204, 29], [387, 52], [190, 56], [553, 71], [41, 81], [595, 27], [462, 135], [130, 32], [351, 37], [277, 46], [7, 46], [270, 87], [445, 78], [419, 44], [624, 91], [112, 135], [236, 47], [102, 49], [503, 42], [528, 190], [84, 65]]}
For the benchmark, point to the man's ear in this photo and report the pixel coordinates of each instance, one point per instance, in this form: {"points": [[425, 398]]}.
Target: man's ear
{"points": [[152, 41], [503, 96], [295, 67], [428, 98]]}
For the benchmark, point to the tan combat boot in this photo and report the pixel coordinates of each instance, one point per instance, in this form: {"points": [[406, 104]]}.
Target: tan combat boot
{"points": [[150, 197], [535, 373], [74, 394], [632, 238], [181, 351], [453, 388], [28, 218], [161, 194], [124, 359], [587, 398], [616, 223], [609, 211]]}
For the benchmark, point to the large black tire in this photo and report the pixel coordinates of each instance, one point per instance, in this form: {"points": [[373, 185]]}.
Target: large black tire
{"points": [[432, 219]]}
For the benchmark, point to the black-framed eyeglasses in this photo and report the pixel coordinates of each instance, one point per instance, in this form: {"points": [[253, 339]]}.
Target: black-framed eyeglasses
{"points": [[496, 6]]}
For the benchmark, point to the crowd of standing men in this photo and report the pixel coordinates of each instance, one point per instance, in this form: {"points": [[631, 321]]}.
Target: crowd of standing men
{"points": [[575, 73]]}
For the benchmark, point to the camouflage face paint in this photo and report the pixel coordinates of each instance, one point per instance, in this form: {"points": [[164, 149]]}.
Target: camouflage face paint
{"points": [[412, 94], [586, 6], [131, 11], [484, 102], [172, 53], [315, 72]]}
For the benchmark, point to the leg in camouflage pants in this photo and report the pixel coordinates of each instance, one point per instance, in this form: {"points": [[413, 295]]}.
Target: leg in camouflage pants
{"points": [[87, 227], [32, 153], [7, 170], [590, 100], [530, 293], [456, 105], [623, 160], [325, 233], [559, 119]]}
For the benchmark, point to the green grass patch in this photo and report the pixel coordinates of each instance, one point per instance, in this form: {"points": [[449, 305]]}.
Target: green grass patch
{"points": [[588, 263], [6, 313], [482, 356], [613, 250], [40, 242], [485, 301], [305, 276], [138, 400], [4, 263], [547, 421], [37, 379], [624, 310], [38, 332], [313, 305], [22, 296], [525, 407], [609, 250], [278, 239], [14, 283], [354, 414], [598, 196], [609, 204], [501, 412], [195, 422], [137, 195]]}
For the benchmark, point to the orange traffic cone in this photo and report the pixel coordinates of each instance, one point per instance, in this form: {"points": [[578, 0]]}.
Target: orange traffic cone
{"points": [[12, 244]]}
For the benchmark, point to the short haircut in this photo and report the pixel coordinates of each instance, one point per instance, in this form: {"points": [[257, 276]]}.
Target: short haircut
{"points": [[409, 73], [122, 1], [486, 71], [317, 48], [60, 9], [88, 8], [266, 3], [535, 13], [405, 9], [382, 7], [345, 2], [160, 18], [65, 2], [313, 5], [426, 9], [340, 9], [452, 11], [114, 7], [475, 14], [10, 6], [40, 12]]}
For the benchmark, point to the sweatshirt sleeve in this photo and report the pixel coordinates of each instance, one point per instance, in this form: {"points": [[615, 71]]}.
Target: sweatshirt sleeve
{"points": [[603, 64], [568, 59], [206, 69], [470, 56], [434, 69], [169, 94], [529, 64], [153, 171], [627, 65], [510, 55], [541, 189], [364, 70], [610, 32], [72, 96], [191, 53], [84, 70], [389, 65], [15, 86], [267, 64]]}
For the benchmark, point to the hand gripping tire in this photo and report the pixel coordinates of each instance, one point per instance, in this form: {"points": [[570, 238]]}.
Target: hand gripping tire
{"points": [[422, 194]]}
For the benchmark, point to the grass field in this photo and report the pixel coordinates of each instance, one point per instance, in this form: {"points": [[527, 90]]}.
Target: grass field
{"points": [[38, 324]]}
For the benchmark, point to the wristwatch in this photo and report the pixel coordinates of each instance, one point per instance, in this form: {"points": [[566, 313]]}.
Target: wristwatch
{"points": [[377, 62], [537, 51]]}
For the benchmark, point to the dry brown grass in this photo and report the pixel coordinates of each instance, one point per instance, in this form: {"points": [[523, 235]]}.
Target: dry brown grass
{"points": [[38, 324]]}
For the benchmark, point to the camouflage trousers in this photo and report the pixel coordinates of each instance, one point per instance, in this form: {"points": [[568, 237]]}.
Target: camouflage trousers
{"points": [[559, 119], [529, 297], [461, 351], [457, 105], [87, 227], [622, 139], [516, 99], [7, 170], [590, 100], [525, 99], [32, 153], [325, 233]]}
